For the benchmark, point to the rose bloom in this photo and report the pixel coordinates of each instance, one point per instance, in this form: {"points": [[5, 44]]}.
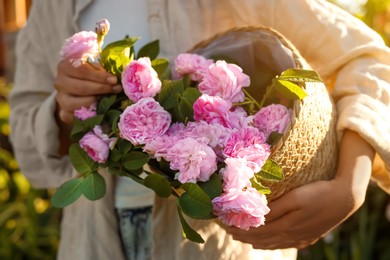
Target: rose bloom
{"points": [[224, 80], [140, 80], [191, 64], [96, 144], [213, 110], [85, 113], [248, 143], [158, 147], [195, 161], [272, 118], [143, 121], [243, 208], [79, 47], [236, 174], [213, 135]]}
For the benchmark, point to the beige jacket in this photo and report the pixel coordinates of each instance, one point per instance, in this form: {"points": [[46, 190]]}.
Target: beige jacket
{"points": [[348, 55]]}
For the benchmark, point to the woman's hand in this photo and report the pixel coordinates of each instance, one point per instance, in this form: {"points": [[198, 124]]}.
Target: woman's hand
{"points": [[302, 216], [77, 87]]}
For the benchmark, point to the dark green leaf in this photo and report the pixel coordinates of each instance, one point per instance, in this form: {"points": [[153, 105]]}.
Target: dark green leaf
{"points": [[105, 103], [195, 203], [271, 171], [135, 160], [168, 95], [124, 146], [159, 184], [67, 193], [160, 66], [186, 102], [300, 75], [150, 50], [78, 130], [93, 186], [80, 159], [189, 232], [91, 122], [289, 89], [115, 155], [113, 118], [212, 187]]}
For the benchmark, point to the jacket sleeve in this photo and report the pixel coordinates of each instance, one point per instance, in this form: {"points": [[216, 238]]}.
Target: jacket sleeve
{"points": [[353, 59], [34, 132]]}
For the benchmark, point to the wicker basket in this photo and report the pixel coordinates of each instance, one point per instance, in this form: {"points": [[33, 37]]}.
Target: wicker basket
{"points": [[307, 151]]}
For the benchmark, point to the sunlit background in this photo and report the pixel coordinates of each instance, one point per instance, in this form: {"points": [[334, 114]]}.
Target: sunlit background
{"points": [[29, 226]]}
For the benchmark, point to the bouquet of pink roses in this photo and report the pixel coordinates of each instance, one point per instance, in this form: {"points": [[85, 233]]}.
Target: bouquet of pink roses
{"points": [[190, 130]]}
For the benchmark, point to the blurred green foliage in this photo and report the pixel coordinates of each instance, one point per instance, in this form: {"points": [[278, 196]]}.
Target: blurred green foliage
{"points": [[29, 226]]}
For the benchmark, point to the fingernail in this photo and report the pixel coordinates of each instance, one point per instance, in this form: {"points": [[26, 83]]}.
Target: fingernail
{"points": [[112, 80], [117, 88]]}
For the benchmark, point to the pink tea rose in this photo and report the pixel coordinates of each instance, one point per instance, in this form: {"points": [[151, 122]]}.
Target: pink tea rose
{"points": [[191, 64], [236, 174], [272, 118], [79, 47], [224, 80], [140, 80], [242, 208], [96, 144], [213, 135], [85, 113], [195, 161], [248, 143], [213, 110], [143, 121], [158, 147]]}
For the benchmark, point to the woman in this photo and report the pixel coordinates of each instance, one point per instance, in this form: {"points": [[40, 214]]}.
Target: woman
{"points": [[348, 55]]}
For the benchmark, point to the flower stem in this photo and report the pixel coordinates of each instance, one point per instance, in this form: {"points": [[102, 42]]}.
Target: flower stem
{"points": [[253, 100]]}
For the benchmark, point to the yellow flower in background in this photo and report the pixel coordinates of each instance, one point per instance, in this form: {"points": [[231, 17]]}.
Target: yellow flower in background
{"points": [[21, 182], [4, 110]]}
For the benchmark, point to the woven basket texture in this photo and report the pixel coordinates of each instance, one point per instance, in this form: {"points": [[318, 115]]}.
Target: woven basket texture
{"points": [[307, 152]]}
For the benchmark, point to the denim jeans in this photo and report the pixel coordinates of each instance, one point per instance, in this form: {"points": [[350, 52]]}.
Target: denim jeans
{"points": [[136, 232]]}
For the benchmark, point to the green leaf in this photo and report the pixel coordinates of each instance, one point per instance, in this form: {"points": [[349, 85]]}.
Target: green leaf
{"points": [[135, 160], [212, 187], [124, 146], [150, 50], [115, 155], [159, 184], [289, 89], [256, 183], [300, 75], [168, 95], [160, 66], [78, 130], [113, 118], [271, 171], [93, 186], [105, 103], [116, 55], [188, 232], [80, 159], [67, 193], [91, 122], [195, 203], [186, 102]]}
